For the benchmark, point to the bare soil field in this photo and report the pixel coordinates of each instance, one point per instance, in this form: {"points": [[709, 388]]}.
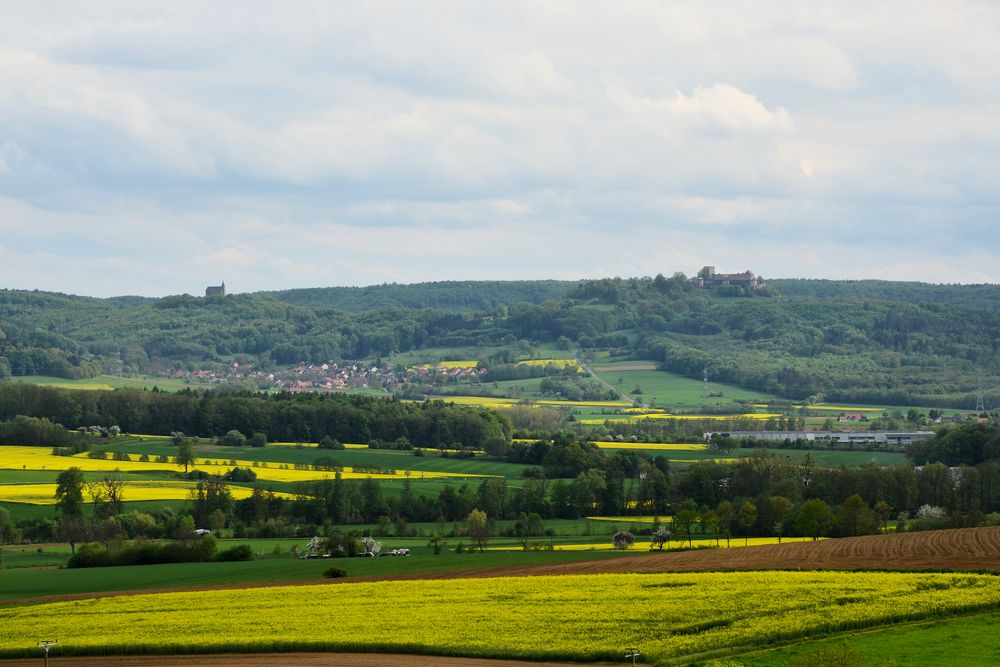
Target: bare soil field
{"points": [[955, 549], [279, 659]]}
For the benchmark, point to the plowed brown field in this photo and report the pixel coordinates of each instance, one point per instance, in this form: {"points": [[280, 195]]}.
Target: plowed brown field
{"points": [[957, 549]]}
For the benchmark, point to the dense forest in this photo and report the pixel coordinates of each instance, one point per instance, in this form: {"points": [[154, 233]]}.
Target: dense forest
{"points": [[866, 341], [283, 417]]}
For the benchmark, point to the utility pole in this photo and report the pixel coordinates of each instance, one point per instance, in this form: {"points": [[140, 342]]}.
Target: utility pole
{"points": [[980, 403], [632, 653], [46, 645]]}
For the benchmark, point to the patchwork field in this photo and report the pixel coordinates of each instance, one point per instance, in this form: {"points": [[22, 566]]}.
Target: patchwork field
{"points": [[41, 458], [668, 615]]}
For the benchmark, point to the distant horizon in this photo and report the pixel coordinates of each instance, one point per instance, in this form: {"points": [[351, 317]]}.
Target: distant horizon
{"points": [[229, 291]]}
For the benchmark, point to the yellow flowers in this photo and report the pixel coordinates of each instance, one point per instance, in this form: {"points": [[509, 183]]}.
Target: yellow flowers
{"points": [[575, 617], [44, 494], [558, 363], [41, 458]]}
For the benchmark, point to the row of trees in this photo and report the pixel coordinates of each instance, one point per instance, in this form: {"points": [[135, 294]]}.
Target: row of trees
{"points": [[293, 417]]}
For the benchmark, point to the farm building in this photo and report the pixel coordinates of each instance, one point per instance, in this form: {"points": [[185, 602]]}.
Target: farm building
{"points": [[895, 437]]}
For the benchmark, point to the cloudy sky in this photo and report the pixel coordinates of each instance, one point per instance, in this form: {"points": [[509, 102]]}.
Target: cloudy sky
{"points": [[155, 148]]}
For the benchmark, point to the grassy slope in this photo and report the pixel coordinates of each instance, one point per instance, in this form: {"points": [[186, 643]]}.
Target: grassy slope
{"points": [[962, 641], [670, 389]]}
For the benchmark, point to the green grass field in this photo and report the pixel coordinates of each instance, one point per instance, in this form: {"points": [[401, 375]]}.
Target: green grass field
{"points": [[671, 390], [21, 583], [963, 641]]}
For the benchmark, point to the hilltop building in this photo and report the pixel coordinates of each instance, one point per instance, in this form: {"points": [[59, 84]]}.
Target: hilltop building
{"points": [[216, 290], [708, 276]]}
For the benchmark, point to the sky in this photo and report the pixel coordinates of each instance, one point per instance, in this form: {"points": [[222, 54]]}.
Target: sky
{"points": [[155, 148]]}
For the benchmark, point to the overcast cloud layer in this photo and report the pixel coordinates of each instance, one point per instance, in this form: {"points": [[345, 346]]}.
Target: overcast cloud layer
{"points": [[273, 145]]}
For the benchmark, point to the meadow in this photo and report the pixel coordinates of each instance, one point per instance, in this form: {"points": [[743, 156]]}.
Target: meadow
{"points": [[668, 616]]}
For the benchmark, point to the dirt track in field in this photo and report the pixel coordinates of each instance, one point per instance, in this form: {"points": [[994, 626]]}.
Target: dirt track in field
{"points": [[956, 549], [279, 659], [629, 367]]}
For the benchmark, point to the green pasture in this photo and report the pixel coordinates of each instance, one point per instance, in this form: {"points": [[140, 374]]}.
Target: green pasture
{"points": [[26, 583], [671, 390], [961, 641]]}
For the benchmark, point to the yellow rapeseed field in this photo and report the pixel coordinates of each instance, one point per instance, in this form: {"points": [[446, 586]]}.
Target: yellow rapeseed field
{"points": [[44, 494], [558, 363], [461, 363], [575, 617], [41, 458]]}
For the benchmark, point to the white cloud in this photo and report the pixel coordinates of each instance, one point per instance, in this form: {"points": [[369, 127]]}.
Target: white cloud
{"points": [[314, 145]]}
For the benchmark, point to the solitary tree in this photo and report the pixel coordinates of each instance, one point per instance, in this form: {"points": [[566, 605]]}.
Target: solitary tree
{"points": [[661, 536], [884, 512], [478, 527], [814, 519], [748, 517], [69, 492], [622, 540], [185, 455]]}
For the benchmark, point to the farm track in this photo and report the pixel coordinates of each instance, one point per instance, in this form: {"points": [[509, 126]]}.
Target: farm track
{"points": [[279, 659], [954, 549]]}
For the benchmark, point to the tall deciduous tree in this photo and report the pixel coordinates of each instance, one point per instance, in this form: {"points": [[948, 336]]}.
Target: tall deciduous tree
{"points": [[69, 492], [185, 454], [782, 513], [855, 517], [748, 517], [478, 526], [814, 519]]}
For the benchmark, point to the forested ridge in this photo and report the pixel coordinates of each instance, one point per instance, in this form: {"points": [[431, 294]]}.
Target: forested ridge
{"points": [[864, 341]]}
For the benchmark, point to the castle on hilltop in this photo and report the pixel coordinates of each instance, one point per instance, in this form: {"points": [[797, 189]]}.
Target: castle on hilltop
{"points": [[708, 277], [216, 290]]}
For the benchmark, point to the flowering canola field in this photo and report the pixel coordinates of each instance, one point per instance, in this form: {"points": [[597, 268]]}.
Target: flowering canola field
{"points": [[42, 458], [576, 617], [44, 494]]}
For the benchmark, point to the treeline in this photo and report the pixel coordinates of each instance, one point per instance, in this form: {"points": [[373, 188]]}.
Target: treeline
{"points": [[291, 417], [965, 445]]}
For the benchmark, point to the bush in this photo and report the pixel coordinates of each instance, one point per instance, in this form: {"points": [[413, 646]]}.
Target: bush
{"points": [[334, 572], [236, 553], [91, 554], [233, 439], [145, 553], [329, 443]]}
